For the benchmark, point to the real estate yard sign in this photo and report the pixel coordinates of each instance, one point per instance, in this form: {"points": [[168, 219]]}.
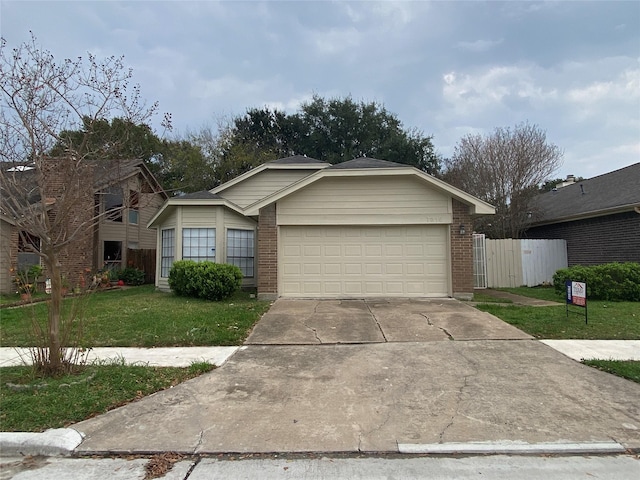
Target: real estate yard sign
{"points": [[576, 295]]}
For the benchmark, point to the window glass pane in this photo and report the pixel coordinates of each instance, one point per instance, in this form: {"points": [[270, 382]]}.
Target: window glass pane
{"points": [[113, 204], [240, 245], [133, 217], [167, 254], [199, 244]]}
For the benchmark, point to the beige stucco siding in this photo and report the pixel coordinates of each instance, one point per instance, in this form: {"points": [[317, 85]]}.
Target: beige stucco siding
{"points": [[262, 184], [386, 200]]}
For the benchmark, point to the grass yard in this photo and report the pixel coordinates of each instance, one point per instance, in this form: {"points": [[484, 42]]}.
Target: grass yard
{"points": [[625, 369], [480, 297], [143, 317], [132, 317], [33, 404], [541, 293], [607, 320]]}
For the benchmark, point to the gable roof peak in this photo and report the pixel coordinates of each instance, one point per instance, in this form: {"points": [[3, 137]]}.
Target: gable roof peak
{"points": [[367, 162]]}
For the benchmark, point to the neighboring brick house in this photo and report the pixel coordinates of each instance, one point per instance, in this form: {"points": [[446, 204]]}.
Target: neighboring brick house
{"points": [[599, 218], [299, 227], [126, 187]]}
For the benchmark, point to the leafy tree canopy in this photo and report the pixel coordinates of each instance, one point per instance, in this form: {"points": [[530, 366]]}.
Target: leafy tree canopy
{"points": [[179, 165], [334, 131]]}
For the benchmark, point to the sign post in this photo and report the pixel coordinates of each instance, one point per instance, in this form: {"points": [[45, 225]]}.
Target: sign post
{"points": [[576, 294]]}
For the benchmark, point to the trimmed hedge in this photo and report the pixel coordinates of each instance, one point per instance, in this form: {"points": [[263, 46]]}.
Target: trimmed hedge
{"points": [[207, 280], [610, 281]]}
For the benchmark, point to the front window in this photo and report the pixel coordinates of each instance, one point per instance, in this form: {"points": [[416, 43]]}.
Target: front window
{"points": [[199, 244], [133, 217], [168, 251], [240, 250], [113, 204], [134, 214], [112, 254], [28, 248]]}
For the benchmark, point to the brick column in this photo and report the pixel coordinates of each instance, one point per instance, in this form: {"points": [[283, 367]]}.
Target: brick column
{"points": [[461, 252], [267, 253]]}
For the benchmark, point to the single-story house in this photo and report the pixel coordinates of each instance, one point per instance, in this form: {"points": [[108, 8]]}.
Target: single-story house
{"points": [[299, 227], [599, 217]]}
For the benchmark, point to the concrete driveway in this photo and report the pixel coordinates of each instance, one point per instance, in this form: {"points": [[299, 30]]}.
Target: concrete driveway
{"points": [[396, 388], [309, 322]]}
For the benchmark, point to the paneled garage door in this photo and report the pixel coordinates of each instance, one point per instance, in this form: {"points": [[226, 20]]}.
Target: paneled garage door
{"points": [[341, 261]]}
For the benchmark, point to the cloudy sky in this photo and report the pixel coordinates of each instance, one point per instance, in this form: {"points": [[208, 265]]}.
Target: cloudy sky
{"points": [[446, 68]]}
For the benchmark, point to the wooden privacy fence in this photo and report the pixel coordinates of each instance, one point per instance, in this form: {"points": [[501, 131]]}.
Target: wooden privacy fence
{"points": [[145, 260], [513, 263]]}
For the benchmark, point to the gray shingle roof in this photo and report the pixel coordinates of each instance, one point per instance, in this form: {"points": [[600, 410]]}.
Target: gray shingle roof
{"points": [[605, 192], [297, 159], [365, 162], [202, 195]]}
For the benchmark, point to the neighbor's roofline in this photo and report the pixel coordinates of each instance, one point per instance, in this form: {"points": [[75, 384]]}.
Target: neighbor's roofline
{"points": [[480, 207], [268, 166], [629, 207]]}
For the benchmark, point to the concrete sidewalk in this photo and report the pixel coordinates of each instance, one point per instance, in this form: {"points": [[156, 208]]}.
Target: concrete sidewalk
{"points": [[185, 356], [154, 357], [597, 349]]}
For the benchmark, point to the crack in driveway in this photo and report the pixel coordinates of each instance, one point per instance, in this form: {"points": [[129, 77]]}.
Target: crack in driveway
{"points": [[459, 395], [375, 319], [430, 323], [377, 428]]}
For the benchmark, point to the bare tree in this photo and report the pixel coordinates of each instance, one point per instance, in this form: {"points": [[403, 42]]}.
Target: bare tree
{"points": [[41, 98], [504, 169]]}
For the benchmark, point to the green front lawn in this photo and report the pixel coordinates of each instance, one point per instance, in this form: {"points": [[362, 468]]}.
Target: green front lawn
{"points": [[135, 317], [607, 320], [143, 317], [35, 404], [541, 293], [625, 369]]}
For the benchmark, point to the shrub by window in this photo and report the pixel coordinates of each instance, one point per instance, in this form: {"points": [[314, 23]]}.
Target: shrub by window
{"points": [[206, 280]]}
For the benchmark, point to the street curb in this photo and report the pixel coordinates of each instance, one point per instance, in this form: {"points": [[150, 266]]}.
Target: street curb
{"points": [[508, 448], [50, 443]]}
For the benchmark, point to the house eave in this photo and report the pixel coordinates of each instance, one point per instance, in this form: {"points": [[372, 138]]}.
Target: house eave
{"points": [[477, 206], [177, 202]]}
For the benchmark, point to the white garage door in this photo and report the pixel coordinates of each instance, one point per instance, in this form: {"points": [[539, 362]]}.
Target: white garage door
{"points": [[340, 261]]}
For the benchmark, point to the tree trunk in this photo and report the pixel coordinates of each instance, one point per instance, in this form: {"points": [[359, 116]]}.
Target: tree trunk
{"points": [[55, 348]]}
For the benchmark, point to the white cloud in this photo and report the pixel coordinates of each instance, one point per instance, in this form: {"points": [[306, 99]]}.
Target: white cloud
{"points": [[479, 45], [337, 41]]}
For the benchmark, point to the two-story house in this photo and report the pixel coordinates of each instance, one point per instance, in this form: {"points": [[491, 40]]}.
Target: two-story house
{"points": [[120, 198]]}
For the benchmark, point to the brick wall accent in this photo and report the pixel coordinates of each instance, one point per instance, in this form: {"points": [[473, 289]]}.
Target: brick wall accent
{"points": [[592, 241], [461, 252], [267, 253], [72, 187]]}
